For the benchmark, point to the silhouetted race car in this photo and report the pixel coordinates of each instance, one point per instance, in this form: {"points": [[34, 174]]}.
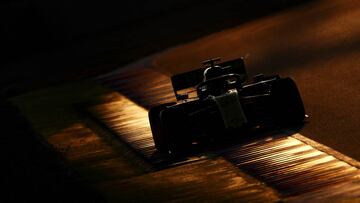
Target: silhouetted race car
{"points": [[219, 101]]}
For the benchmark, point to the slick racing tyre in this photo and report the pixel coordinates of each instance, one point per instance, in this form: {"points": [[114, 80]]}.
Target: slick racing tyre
{"points": [[289, 108], [157, 129]]}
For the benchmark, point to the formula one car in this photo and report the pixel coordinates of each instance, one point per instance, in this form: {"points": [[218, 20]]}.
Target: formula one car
{"points": [[218, 101]]}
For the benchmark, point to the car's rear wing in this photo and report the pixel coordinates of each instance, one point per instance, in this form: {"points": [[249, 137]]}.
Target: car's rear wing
{"points": [[191, 79]]}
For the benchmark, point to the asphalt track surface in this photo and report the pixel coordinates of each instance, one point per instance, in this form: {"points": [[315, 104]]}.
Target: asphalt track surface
{"points": [[317, 44]]}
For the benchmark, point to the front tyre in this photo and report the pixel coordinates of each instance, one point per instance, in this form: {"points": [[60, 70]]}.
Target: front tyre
{"points": [[160, 139], [289, 106]]}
